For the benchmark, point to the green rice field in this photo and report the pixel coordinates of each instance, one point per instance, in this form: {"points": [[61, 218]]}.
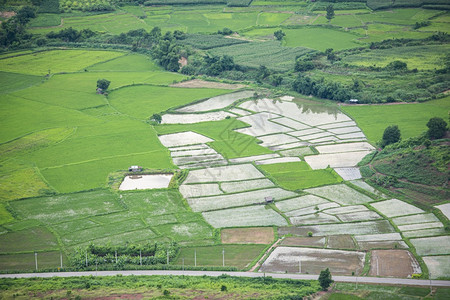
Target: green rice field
{"points": [[410, 118], [298, 175]]}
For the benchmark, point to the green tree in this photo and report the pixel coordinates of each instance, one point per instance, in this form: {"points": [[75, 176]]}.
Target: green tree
{"points": [[391, 135], [156, 118], [103, 84], [330, 12], [437, 128], [279, 34], [325, 279]]}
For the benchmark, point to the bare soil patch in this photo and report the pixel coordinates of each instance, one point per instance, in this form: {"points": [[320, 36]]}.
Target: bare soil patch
{"points": [[304, 241], [197, 83], [312, 261], [394, 263], [255, 235], [341, 242]]}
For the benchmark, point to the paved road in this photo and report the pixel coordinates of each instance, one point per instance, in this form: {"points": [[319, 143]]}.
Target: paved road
{"points": [[351, 279]]}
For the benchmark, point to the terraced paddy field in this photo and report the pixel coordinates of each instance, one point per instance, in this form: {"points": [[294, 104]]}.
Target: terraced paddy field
{"points": [[240, 183]]}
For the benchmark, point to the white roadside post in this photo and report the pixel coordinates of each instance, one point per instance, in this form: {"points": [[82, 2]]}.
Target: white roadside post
{"points": [[299, 265], [35, 260], [195, 258], [61, 259], [223, 257]]}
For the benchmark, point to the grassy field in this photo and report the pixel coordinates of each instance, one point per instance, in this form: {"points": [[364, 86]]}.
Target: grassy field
{"points": [[410, 118], [311, 37], [295, 176], [55, 61], [179, 287], [420, 57], [135, 101], [239, 256]]}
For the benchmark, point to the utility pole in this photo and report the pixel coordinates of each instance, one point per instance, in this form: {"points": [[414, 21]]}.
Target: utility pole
{"points": [[223, 257], [431, 287], [35, 260]]}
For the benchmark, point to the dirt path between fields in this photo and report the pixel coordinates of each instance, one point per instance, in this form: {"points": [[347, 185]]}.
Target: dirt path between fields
{"points": [[260, 261]]}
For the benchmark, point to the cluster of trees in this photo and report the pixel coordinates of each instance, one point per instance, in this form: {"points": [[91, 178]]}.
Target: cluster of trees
{"points": [[306, 85], [87, 5], [71, 35], [148, 254], [13, 30], [437, 128]]}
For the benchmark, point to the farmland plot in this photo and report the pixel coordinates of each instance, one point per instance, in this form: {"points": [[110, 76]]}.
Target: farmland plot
{"points": [[198, 190], [341, 194], [347, 147], [369, 188], [317, 218], [306, 132], [393, 263], [260, 125], [445, 208], [297, 111], [394, 208], [186, 160], [188, 148], [277, 139], [277, 160], [383, 244], [290, 123], [414, 227], [300, 202], [205, 164], [348, 173], [432, 245], [336, 160], [297, 152], [360, 228], [183, 139], [311, 210], [217, 102], [225, 173], [195, 118], [255, 215], [438, 266], [251, 235], [288, 146], [341, 242], [337, 125], [304, 241], [205, 150], [378, 237], [247, 185], [346, 209], [286, 259], [359, 216], [253, 158], [344, 130], [67, 207], [415, 219], [239, 199], [424, 232]]}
